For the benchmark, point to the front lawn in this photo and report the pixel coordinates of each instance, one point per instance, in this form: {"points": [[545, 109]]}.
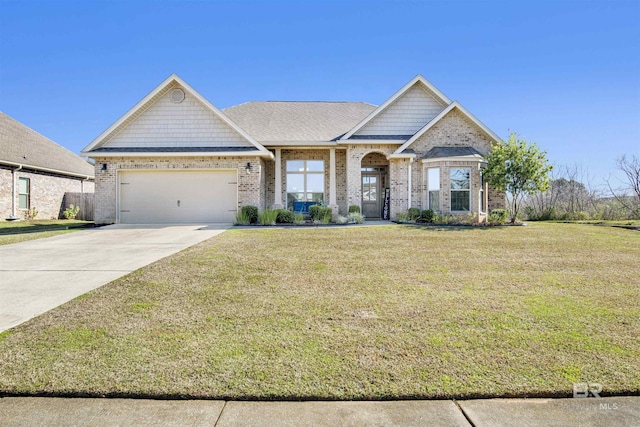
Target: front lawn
{"points": [[21, 231], [381, 312]]}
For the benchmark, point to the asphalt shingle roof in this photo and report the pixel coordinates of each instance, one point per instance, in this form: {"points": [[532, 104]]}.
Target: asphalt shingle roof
{"points": [[437, 152], [21, 144], [298, 121]]}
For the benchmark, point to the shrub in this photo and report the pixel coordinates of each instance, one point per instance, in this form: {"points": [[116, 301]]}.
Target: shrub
{"points": [[354, 209], [580, 216], [543, 215], [268, 216], [30, 214], [314, 212], [242, 218], [427, 215], [358, 218], [469, 219], [251, 213], [402, 217], [71, 212], [284, 217], [497, 217], [413, 214], [320, 213], [298, 218], [341, 219]]}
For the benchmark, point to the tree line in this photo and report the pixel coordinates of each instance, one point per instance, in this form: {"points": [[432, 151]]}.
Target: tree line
{"points": [[537, 190]]}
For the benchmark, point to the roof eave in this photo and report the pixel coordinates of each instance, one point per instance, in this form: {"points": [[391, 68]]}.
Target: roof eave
{"points": [[401, 156], [98, 154], [467, 158]]}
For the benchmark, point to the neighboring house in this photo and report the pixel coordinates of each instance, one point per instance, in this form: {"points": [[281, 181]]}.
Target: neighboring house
{"points": [[174, 157], [35, 172]]}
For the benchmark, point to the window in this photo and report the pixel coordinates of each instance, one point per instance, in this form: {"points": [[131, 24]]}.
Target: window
{"points": [[483, 202], [433, 189], [369, 188], [24, 189], [305, 181], [460, 185]]}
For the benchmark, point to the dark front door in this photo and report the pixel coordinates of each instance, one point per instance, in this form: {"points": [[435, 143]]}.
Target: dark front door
{"points": [[371, 195]]}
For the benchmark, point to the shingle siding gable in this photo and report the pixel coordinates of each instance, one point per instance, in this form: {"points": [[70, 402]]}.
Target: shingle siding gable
{"points": [[406, 115], [166, 123]]}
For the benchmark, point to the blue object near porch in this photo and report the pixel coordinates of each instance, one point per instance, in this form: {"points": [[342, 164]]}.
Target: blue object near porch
{"points": [[302, 207]]}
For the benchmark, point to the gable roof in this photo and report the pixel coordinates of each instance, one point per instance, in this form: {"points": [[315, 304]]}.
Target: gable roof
{"points": [[443, 113], [282, 121], [21, 145], [417, 80], [150, 100]]}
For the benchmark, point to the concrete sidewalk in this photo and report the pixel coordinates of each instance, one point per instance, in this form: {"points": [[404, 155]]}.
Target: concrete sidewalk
{"points": [[43, 411], [38, 275]]}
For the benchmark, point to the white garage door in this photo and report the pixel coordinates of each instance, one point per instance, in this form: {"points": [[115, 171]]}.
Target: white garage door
{"points": [[152, 197]]}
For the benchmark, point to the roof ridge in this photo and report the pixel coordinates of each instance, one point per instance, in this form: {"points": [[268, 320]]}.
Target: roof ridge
{"points": [[300, 102]]}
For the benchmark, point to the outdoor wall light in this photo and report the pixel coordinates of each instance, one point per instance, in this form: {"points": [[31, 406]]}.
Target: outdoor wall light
{"points": [[248, 168], [104, 168]]}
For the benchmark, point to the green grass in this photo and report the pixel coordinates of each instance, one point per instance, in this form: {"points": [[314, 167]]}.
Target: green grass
{"points": [[351, 313], [21, 231]]}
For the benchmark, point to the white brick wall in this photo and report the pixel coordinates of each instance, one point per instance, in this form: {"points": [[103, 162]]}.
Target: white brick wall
{"points": [[406, 115], [166, 123]]}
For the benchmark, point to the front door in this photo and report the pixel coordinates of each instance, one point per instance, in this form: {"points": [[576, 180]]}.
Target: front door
{"points": [[371, 195]]}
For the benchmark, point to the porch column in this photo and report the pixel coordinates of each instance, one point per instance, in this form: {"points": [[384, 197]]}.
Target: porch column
{"points": [[277, 197], [409, 185], [333, 204]]}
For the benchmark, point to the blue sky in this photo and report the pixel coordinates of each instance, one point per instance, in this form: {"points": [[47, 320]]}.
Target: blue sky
{"points": [[565, 74]]}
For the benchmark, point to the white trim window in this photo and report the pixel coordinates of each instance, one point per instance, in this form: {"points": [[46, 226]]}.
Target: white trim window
{"points": [[433, 189], [460, 189], [24, 193], [305, 181]]}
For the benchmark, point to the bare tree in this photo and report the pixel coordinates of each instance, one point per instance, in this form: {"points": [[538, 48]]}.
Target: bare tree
{"points": [[570, 196], [629, 194]]}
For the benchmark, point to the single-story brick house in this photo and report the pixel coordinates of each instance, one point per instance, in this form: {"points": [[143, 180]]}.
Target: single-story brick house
{"points": [[175, 157], [35, 172]]}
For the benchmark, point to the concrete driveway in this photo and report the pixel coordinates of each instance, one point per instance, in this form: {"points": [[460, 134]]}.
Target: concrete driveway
{"points": [[38, 275]]}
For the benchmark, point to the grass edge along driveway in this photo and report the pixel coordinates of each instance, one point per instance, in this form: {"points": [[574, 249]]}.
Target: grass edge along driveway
{"points": [[388, 312]]}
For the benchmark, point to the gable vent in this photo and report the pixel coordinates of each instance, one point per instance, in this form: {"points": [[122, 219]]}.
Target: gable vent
{"points": [[177, 96]]}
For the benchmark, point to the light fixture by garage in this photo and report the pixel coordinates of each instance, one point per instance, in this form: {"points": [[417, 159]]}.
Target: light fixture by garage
{"points": [[248, 168]]}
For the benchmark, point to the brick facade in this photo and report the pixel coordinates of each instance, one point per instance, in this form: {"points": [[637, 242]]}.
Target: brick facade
{"points": [[250, 185], [46, 192], [453, 130]]}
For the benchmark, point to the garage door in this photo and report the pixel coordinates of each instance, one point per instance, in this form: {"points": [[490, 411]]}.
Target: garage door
{"points": [[151, 197]]}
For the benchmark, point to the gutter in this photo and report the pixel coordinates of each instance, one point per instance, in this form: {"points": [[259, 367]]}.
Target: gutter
{"points": [[41, 169]]}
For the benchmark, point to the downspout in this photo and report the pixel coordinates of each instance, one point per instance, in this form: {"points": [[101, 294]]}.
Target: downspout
{"points": [[13, 192]]}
